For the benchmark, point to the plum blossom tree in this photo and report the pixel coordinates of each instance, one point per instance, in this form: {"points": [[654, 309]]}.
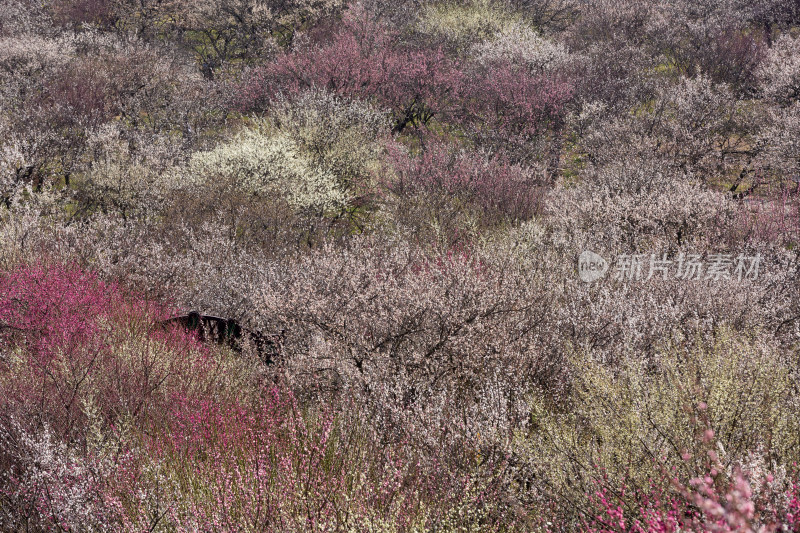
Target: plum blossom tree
{"points": [[506, 105], [779, 73], [498, 188], [363, 59]]}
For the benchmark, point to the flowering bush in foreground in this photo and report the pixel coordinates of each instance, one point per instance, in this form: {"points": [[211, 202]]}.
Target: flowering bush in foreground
{"points": [[672, 442], [72, 338], [81, 363], [111, 424], [721, 500], [277, 466], [707, 503]]}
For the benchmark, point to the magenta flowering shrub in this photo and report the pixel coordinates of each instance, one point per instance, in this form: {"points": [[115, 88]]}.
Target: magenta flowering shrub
{"points": [[508, 104], [70, 336], [702, 505], [711, 501], [259, 468], [363, 59], [80, 358]]}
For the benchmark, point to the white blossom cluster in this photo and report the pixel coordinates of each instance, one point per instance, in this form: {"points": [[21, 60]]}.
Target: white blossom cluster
{"points": [[263, 164], [522, 45], [779, 73]]}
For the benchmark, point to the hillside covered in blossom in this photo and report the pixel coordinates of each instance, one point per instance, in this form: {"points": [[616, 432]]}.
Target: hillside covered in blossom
{"points": [[399, 267]]}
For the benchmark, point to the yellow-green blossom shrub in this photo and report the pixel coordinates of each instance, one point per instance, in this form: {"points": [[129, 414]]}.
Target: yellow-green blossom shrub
{"points": [[461, 21], [628, 422], [341, 136], [265, 164], [316, 151]]}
